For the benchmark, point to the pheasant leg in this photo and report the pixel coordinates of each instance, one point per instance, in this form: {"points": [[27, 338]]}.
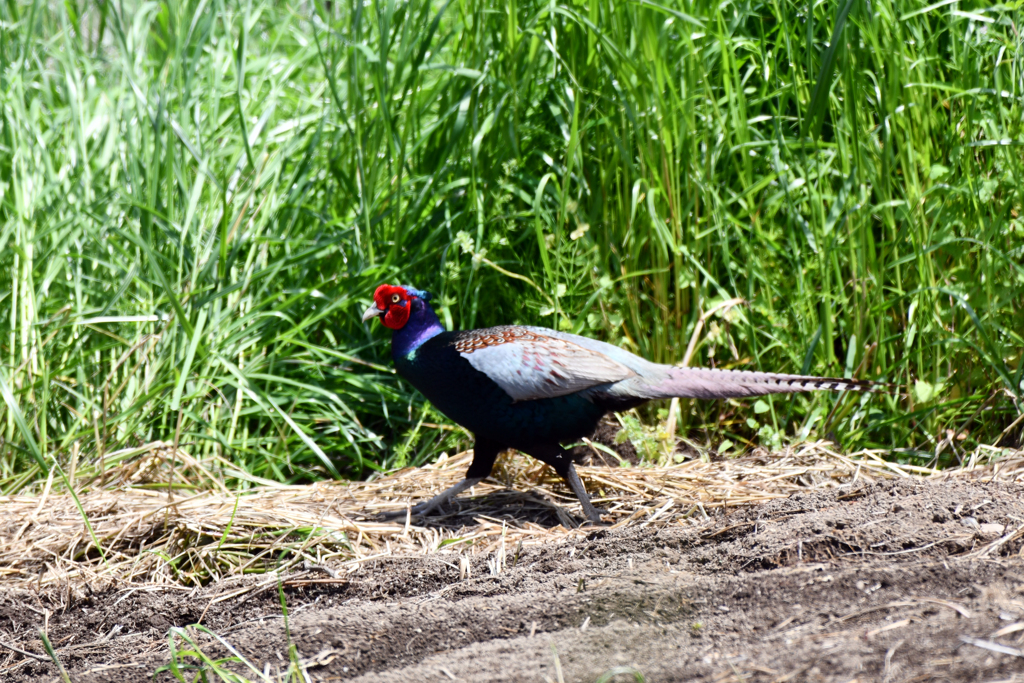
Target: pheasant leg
{"points": [[437, 501], [484, 454], [558, 458], [592, 513]]}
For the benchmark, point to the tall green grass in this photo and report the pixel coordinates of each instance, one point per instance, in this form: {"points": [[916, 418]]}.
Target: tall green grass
{"points": [[197, 198]]}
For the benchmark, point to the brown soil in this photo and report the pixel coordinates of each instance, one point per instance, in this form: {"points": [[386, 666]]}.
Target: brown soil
{"points": [[902, 580]]}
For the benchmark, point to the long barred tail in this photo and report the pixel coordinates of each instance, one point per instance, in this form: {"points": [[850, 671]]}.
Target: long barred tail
{"points": [[705, 383]]}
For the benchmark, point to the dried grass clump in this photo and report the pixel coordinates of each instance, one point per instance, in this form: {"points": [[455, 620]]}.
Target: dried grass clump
{"points": [[208, 534]]}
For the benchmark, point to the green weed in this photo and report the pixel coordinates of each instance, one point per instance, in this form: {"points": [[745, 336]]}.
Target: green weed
{"points": [[197, 198]]}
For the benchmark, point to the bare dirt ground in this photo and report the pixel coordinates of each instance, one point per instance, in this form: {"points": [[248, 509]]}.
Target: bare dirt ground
{"points": [[899, 580]]}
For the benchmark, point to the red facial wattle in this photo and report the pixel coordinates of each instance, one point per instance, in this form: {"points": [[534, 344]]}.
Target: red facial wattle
{"points": [[394, 300]]}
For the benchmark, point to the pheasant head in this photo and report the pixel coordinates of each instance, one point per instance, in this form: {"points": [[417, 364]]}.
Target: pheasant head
{"points": [[392, 304]]}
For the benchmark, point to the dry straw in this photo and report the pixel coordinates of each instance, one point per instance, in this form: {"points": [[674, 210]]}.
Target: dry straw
{"points": [[207, 533]]}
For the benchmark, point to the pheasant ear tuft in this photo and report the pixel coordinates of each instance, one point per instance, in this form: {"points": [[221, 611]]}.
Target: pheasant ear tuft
{"points": [[426, 296]]}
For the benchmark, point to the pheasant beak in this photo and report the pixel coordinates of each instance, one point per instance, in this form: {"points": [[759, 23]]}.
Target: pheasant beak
{"points": [[372, 312]]}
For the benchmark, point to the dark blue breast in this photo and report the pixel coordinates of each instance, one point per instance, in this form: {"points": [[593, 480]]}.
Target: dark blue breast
{"points": [[468, 397]]}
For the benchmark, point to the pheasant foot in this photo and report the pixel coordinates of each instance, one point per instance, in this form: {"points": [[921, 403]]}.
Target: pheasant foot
{"points": [[435, 502]]}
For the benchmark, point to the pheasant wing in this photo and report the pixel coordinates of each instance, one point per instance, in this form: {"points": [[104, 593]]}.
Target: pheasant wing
{"points": [[529, 365]]}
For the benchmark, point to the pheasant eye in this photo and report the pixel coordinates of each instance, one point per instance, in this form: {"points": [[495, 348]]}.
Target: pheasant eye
{"points": [[395, 298]]}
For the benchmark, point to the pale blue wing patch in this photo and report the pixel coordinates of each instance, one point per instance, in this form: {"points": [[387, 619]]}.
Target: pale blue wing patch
{"points": [[529, 365]]}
